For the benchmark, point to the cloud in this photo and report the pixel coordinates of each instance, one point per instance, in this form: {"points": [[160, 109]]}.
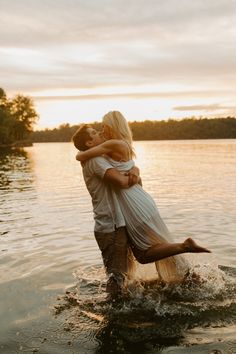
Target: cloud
{"points": [[146, 95], [205, 107], [90, 66], [71, 21], [76, 43]]}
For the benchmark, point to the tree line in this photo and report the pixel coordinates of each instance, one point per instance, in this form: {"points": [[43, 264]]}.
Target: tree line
{"points": [[188, 128], [17, 117]]}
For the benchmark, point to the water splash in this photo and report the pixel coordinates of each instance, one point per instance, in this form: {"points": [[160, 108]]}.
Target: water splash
{"points": [[215, 291], [151, 313]]}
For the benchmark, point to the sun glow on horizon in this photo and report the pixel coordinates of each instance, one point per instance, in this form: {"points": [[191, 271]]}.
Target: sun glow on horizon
{"points": [[144, 102], [79, 61]]}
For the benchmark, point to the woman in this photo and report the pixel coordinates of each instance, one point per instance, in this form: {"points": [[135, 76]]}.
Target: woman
{"points": [[150, 239]]}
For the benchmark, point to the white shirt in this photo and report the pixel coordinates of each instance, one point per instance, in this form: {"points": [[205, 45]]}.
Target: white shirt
{"points": [[106, 208]]}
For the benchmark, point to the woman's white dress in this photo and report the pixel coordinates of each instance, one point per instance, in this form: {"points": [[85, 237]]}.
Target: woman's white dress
{"points": [[145, 225]]}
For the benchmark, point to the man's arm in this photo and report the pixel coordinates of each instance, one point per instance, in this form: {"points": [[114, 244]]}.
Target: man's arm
{"points": [[103, 169], [120, 180]]}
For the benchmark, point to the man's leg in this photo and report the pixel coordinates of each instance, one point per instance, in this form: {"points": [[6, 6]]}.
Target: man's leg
{"points": [[114, 248]]}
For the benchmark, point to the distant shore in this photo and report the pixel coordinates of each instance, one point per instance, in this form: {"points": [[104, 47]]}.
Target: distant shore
{"points": [[185, 129], [17, 144]]}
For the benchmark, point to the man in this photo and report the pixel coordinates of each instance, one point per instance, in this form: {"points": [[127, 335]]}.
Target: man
{"points": [[110, 231]]}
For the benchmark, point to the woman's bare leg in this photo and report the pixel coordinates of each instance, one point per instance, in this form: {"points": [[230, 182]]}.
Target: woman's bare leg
{"points": [[161, 251]]}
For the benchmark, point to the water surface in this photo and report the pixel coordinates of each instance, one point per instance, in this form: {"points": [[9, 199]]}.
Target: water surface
{"points": [[48, 249]]}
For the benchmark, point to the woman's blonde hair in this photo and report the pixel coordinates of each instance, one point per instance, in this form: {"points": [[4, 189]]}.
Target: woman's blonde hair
{"points": [[119, 127]]}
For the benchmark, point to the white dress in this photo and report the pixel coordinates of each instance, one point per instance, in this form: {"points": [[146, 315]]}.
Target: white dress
{"points": [[145, 225]]}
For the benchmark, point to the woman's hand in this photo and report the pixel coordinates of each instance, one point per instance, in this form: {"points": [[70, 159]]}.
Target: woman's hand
{"points": [[78, 156]]}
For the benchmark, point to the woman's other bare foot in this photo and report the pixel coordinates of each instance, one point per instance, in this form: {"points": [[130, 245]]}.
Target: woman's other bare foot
{"points": [[191, 246]]}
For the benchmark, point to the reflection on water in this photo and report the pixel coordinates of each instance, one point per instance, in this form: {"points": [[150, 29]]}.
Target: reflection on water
{"points": [[15, 170], [47, 245], [16, 183]]}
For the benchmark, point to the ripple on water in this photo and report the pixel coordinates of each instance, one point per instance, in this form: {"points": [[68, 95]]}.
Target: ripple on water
{"points": [[46, 232]]}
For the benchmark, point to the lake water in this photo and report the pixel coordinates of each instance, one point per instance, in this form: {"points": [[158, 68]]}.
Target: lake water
{"points": [[52, 283]]}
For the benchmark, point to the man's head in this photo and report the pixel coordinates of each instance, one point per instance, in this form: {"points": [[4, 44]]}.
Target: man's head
{"points": [[86, 137]]}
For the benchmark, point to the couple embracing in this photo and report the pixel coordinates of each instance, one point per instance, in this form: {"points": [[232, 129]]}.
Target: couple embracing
{"points": [[127, 221]]}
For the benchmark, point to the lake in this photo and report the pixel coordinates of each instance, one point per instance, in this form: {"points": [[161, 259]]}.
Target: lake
{"points": [[52, 283]]}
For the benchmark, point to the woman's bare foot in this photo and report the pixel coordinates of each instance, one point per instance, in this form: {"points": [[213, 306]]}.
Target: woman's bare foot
{"points": [[191, 246]]}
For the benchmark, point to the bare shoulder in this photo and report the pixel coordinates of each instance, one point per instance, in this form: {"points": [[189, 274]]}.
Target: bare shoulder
{"points": [[118, 149], [115, 143]]}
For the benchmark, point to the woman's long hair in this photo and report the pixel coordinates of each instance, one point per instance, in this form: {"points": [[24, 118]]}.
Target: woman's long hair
{"points": [[120, 128]]}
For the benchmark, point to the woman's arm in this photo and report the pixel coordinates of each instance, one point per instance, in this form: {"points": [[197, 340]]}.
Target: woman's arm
{"points": [[99, 150]]}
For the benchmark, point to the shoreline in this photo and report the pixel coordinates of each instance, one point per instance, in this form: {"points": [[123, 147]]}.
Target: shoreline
{"points": [[144, 140], [17, 144]]}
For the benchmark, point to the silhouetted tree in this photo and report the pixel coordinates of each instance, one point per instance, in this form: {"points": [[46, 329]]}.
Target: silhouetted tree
{"points": [[17, 117], [22, 109], [5, 119]]}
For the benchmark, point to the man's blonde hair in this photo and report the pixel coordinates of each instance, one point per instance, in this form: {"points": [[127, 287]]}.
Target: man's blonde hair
{"points": [[119, 128]]}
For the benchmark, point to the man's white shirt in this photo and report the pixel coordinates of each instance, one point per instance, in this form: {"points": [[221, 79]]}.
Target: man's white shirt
{"points": [[106, 208]]}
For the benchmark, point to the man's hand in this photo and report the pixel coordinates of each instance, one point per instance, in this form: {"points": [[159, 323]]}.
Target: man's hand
{"points": [[121, 180], [133, 175], [133, 179]]}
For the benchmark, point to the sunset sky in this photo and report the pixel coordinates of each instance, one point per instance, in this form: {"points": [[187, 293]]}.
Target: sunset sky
{"points": [[151, 59]]}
